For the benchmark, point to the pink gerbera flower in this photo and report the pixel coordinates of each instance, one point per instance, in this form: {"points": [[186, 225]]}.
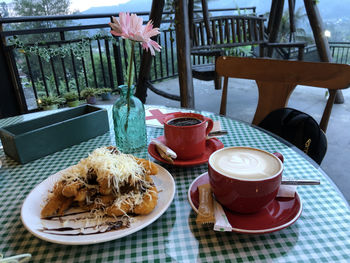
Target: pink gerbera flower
{"points": [[131, 27]]}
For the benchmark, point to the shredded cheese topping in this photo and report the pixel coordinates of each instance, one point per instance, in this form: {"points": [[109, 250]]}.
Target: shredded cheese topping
{"points": [[118, 170]]}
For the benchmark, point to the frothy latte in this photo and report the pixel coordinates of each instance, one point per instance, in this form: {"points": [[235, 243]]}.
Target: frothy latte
{"points": [[245, 163]]}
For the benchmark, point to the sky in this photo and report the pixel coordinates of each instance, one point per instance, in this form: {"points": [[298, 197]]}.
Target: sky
{"points": [[83, 5]]}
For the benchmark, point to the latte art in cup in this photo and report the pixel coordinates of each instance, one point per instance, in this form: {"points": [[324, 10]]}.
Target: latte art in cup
{"points": [[245, 163]]}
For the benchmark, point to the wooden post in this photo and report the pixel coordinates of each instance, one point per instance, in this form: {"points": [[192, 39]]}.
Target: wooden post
{"points": [[318, 30], [271, 15], [190, 16], [320, 38], [12, 100], [146, 61], [275, 17], [184, 54], [292, 29], [207, 22]]}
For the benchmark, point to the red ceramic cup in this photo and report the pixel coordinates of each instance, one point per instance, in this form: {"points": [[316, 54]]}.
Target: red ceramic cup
{"points": [[244, 179], [188, 142]]}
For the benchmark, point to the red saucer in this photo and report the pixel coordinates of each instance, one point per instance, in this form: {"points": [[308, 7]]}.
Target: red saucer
{"points": [[279, 214], [212, 145]]}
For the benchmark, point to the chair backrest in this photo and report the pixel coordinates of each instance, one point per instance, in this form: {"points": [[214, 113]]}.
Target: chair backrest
{"points": [[276, 80], [227, 32], [298, 128]]}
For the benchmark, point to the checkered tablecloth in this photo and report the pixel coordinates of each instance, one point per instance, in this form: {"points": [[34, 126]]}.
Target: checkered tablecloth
{"points": [[321, 234]]}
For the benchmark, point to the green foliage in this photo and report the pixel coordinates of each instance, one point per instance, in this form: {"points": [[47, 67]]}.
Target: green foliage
{"points": [[79, 49], [105, 90], [50, 100], [90, 92], [54, 59], [243, 51], [50, 85], [71, 96]]}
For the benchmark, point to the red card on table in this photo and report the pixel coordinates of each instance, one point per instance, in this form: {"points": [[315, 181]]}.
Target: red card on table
{"points": [[155, 116]]}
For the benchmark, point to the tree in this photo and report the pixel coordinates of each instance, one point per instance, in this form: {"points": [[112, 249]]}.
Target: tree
{"points": [[300, 34], [4, 10], [42, 7]]}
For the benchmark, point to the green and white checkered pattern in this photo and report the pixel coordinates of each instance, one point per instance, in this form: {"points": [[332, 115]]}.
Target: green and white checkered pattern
{"points": [[322, 233]]}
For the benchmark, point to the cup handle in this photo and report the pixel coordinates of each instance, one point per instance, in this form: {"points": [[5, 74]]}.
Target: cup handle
{"points": [[279, 156], [210, 125]]}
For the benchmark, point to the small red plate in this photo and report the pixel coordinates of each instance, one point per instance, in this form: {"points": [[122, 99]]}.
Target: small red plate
{"points": [[212, 145], [279, 214]]}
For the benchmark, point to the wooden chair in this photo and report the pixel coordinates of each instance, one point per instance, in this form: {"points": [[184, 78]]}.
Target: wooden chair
{"points": [[276, 80], [211, 36]]}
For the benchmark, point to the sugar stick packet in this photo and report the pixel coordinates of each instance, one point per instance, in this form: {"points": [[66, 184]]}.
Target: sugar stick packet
{"points": [[206, 208], [221, 222]]}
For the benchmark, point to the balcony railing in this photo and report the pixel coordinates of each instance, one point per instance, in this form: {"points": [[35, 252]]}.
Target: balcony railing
{"points": [[47, 58], [340, 51]]}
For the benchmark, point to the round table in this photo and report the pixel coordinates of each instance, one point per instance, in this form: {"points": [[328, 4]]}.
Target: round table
{"points": [[321, 234]]}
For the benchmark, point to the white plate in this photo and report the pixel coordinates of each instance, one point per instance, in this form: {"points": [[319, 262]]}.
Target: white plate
{"points": [[30, 212]]}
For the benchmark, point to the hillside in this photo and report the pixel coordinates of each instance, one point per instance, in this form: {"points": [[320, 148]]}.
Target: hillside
{"points": [[335, 13], [329, 9]]}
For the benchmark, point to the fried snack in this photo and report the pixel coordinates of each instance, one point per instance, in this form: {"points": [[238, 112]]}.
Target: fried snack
{"points": [[115, 210], [71, 190], [148, 204], [150, 167], [81, 195], [57, 203], [105, 186], [106, 182]]}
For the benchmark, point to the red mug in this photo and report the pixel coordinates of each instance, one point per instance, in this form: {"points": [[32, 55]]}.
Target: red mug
{"points": [[188, 141], [245, 179]]}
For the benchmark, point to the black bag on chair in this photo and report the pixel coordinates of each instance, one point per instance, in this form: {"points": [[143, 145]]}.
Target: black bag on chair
{"points": [[298, 128]]}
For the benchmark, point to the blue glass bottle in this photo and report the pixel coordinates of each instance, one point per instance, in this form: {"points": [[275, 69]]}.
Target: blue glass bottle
{"points": [[129, 125]]}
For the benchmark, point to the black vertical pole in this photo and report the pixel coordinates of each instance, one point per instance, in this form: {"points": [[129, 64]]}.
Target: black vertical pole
{"points": [[184, 54], [9, 105], [146, 61], [11, 97]]}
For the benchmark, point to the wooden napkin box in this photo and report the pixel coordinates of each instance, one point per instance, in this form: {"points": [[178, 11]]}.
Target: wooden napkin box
{"points": [[33, 139]]}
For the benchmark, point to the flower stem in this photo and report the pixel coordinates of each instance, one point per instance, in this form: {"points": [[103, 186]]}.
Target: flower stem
{"points": [[131, 61]]}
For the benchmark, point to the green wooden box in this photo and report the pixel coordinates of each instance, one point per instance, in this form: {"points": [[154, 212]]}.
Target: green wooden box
{"points": [[31, 140]]}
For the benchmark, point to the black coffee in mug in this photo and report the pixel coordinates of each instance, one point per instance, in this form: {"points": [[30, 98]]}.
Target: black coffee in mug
{"points": [[186, 121]]}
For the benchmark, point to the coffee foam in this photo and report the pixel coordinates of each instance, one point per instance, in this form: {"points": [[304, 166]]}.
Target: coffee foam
{"points": [[245, 163]]}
